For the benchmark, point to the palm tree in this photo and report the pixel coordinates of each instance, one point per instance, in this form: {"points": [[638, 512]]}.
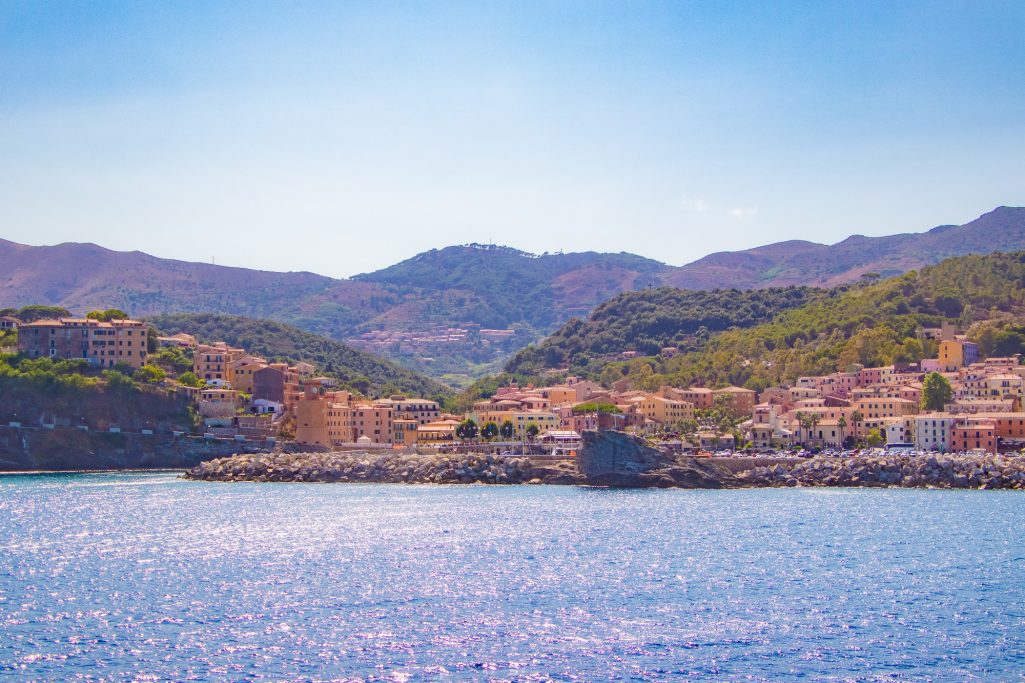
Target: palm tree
{"points": [[842, 424], [813, 422], [857, 418]]}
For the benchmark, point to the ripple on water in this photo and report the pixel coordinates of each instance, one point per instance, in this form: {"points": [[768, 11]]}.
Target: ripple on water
{"points": [[147, 577]]}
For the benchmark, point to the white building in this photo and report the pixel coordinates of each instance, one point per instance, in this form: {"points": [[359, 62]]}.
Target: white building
{"points": [[932, 431]]}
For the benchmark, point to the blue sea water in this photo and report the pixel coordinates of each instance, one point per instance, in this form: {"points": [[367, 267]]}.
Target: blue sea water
{"points": [[146, 577]]}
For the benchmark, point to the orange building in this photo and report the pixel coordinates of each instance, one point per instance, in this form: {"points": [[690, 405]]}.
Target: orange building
{"points": [[974, 434]]}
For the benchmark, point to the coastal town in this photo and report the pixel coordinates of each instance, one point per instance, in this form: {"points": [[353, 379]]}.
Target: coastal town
{"points": [[956, 402]]}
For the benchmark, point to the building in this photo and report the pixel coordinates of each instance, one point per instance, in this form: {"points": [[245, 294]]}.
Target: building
{"points": [[975, 433], [665, 411], [521, 420], [436, 433], [241, 371], [884, 406], [700, 397], [217, 402], [106, 344], [8, 323], [373, 421], [741, 401], [180, 340], [211, 360], [405, 432], [419, 410], [933, 432]]}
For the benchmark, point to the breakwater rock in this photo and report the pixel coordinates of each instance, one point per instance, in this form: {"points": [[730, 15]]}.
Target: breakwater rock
{"points": [[359, 466], [908, 471], [612, 458]]}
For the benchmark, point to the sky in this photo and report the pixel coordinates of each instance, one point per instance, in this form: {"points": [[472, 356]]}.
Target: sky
{"points": [[342, 137]]}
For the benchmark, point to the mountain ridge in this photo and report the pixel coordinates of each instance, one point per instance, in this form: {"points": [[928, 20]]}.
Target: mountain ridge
{"points": [[463, 286]]}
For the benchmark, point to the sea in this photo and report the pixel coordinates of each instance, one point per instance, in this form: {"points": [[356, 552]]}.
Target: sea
{"points": [[149, 577]]}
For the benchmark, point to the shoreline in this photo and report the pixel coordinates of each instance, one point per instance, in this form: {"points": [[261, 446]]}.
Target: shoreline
{"points": [[894, 471]]}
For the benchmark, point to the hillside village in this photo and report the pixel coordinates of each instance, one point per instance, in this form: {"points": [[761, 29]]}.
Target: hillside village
{"points": [[955, 402]]}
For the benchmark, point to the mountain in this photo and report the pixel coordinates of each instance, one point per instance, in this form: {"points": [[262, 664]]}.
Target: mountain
{"points": [[808, 263], [426, 312], [275, 341], [872, 323]]}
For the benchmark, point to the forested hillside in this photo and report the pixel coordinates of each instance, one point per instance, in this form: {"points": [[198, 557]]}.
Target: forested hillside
{"points": [[872, 323], [652, 319], [367, 374]]}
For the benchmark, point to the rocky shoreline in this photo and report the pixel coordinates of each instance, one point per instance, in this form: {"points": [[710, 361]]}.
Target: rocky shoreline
{"points": [[902, 471], [940, 471]]}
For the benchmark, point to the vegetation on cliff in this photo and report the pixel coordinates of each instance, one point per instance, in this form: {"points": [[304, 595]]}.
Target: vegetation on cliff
{"points": [[71, 393]]}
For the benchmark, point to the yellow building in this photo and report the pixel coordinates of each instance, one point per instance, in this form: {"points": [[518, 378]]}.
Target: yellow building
{"points": [[951, 356], [520, 420], [665, 411], [405, 432], [240, 372], [210, 361], [884, 407]]}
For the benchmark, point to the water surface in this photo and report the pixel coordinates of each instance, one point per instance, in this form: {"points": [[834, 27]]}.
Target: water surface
{"points": [[148, 577]]}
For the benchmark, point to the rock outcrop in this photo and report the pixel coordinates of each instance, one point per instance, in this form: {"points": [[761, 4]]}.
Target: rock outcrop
{"points": [[612, 458]]}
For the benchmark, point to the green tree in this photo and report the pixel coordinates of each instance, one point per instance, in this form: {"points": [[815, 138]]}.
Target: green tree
{"points": [[149, 374], [874, 438], [586, 408], [190, 379], [467, 430], [118, 381], [936, 392], [507, 430], [842, 425], [489, 431], [107, 315], [532, 431], [151, 340], [29, 314], [687, 427]]}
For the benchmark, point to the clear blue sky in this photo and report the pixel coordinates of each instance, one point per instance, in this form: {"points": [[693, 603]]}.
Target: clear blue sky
{"points": [[342, 137]]}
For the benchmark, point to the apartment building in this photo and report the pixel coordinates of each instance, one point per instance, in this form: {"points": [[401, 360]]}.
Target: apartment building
{"points": [[106, 344]]}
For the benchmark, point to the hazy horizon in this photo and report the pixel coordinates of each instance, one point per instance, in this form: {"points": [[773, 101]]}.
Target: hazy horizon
{"points": [[445, 246], [340, 139]]}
